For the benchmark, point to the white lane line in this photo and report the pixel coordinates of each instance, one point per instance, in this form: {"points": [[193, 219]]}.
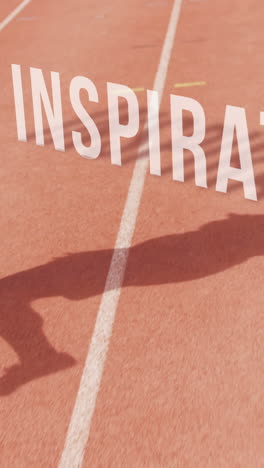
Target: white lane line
{"points": [[13, 14], [79, 427]]}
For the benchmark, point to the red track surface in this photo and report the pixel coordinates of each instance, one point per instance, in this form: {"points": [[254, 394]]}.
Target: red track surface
{"points": [[183, 381]]}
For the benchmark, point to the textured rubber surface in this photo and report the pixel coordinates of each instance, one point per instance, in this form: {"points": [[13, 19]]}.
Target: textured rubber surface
{"points": [[183, 381]]}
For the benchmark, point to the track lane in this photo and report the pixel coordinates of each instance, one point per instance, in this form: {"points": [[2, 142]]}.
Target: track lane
{"points": [[183, 384], [58, 211]]}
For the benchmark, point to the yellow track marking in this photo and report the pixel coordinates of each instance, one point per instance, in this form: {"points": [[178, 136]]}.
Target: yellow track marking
{"points": [[187, 85]]}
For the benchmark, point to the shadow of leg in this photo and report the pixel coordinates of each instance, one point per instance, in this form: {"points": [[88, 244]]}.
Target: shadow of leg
{"points": [[23, 332]]}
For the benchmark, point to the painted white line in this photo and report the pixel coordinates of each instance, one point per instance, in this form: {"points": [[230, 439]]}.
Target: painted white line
{"points": [[13, 14], [79, 428]]}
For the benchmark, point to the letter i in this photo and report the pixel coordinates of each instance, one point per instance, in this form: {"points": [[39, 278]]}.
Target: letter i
{"points": [[19, 102], [154, 132]]}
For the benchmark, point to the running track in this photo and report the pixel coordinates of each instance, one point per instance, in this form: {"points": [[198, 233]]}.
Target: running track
{"points": [[182, 380]]}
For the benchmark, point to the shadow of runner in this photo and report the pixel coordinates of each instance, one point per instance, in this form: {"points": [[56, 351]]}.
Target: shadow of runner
{"points": [[174, 258]]}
